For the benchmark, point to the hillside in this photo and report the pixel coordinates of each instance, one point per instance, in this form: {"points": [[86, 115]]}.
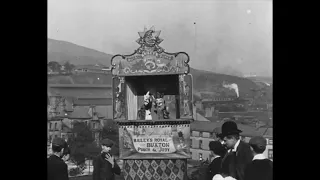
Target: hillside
{"points": [[62, 51], [204, 81], [261, 79]]}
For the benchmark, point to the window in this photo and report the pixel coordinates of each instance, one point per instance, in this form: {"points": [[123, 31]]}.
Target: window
{"points": [[200, 144], [50, 125], [55, 126], [190, 143]]}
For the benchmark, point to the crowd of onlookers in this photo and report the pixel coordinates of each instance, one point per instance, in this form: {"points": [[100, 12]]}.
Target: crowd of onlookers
{"points": [[232, 158], [236, 159]]}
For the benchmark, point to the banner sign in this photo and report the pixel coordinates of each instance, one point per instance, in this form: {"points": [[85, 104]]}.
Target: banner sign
{"points": [[154, 141]]}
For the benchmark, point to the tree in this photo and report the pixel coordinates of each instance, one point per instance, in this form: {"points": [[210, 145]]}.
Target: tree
{"points": [[111, 132], [68, 67], [54, 66], [81, 144]]}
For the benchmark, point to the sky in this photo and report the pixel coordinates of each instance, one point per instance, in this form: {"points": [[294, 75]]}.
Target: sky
{"points": [[224, 36]]}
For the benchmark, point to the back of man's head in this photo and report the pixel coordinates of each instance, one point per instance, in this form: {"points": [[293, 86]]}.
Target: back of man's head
{"points": [[58, 144], [258, 144]]}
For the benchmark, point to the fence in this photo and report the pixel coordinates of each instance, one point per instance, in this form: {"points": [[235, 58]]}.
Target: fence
{"points": [[77, 171], [85, 170]]}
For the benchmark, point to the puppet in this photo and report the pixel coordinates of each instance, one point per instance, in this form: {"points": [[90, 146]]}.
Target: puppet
{"points": [[161, 108], [144, 113]]}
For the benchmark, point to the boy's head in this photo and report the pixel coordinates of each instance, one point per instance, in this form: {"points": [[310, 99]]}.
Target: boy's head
{"points": [[106, 145], [258, 144], [216, 148], [58, 146]]}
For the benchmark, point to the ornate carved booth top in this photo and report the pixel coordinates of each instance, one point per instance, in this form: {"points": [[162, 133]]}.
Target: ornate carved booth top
{"points": [[150, 58]]}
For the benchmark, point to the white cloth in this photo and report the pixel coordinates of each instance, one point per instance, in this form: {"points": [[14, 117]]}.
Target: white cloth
{"points": [[219, 177], [148, 115], [259, 157]]}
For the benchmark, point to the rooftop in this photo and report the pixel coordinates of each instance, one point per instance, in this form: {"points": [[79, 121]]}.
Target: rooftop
{"points": [[82, 113], [80, 85], [207, 126], [204, 126], [94, 97], [95, 67], [263, 116], [96, 102]]}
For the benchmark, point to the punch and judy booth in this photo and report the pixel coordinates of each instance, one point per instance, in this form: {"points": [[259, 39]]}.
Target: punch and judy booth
{"points": [[152, 104]]}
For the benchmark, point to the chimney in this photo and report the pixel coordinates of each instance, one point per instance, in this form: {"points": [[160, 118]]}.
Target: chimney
{"points": [[208, 112], [212, 110]]}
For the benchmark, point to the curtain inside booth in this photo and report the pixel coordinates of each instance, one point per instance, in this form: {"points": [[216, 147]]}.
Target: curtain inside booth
{"points": [[132, 101]]}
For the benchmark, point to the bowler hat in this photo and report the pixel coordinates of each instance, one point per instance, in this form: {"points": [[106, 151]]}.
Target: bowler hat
{"points": [[259, 141], [59, 142], [229, 128], [107, 142]]}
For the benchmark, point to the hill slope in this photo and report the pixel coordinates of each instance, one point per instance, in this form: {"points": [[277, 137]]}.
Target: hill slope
{"points": [[204, 81], [61, 51]]}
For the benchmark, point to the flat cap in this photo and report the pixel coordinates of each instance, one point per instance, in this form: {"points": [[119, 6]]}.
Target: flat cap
{"points": [[59, 142], [258, 141], [107, 142], [216, 147]]}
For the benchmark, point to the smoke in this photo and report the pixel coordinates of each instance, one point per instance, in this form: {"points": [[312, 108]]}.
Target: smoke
{"points": [[232, 86]]}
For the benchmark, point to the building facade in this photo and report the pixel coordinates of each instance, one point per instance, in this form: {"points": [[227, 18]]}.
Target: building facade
{"points": [[54, 128], [200, 144]]}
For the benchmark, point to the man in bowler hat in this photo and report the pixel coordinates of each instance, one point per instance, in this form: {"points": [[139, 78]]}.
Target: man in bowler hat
{"points": [[260, 168], [57, 168], [104, 165], [239, 153]]}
